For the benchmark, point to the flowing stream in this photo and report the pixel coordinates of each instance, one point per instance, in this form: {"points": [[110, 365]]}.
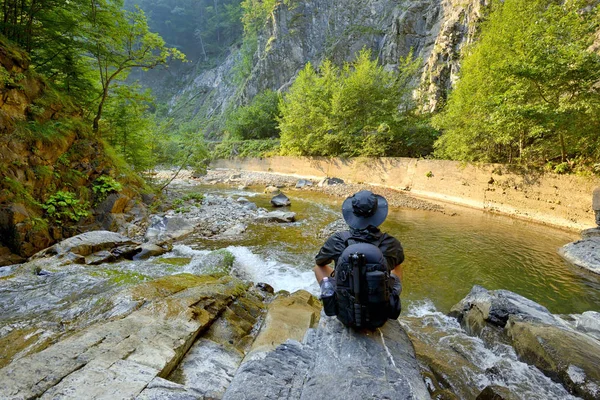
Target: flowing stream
{"points": [[445, 256]]}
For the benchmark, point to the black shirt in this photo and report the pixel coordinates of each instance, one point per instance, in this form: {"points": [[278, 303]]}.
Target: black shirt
{"points": [[336, 244]]}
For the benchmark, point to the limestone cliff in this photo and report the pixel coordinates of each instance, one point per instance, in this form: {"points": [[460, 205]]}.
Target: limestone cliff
{"points": [[301, 31]]}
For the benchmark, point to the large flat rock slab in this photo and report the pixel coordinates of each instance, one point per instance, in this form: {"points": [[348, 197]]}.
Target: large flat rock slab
{"points": [[118, 359], [334, 362]]}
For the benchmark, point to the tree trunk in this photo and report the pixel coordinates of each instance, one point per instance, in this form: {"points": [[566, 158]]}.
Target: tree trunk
{"points": [[99, 112], [563, 149]]}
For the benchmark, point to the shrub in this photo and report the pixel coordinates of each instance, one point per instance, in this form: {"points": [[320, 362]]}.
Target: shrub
{"points": [[65, 206]]}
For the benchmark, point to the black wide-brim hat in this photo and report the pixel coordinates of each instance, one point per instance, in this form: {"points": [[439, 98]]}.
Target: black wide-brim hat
{"points": [[363, 209]]}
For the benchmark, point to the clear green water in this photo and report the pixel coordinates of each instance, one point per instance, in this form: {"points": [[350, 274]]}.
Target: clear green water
{"points": [[445, 255]]}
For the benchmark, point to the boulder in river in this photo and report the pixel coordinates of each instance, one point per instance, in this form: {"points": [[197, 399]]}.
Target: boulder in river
{"points": [[276, 216], [302, 183], [563, 354], [330, 182], [561, 349], [168, 228], [584, 253], [86, 244], [281, 200], [483, 306]]}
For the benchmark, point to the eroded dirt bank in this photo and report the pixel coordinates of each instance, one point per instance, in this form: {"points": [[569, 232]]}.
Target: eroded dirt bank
{"points": [[559, 200]]}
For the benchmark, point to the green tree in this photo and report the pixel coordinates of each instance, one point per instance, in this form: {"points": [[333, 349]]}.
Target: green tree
{"points": [[129, 126], [360, 109], [527, 89], [257, 120], [120, 41]]}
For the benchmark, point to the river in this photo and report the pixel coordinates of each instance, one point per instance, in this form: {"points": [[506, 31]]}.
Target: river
{"points": [[446, 253]]}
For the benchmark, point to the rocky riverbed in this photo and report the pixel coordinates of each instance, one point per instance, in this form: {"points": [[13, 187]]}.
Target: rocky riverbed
{"points": [[330, 186], [102, 315]]}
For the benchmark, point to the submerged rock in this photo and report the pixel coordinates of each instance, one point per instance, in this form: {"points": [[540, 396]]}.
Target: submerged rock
{"points": [[281, 200], [583, 253]]}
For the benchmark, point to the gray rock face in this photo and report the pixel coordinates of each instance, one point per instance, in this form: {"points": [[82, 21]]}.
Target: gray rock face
{"points": [[379, 364], [589, 233], [495, 307], [119, 358], [168, 228], [562, 350], [281, 200], [313, 30], [583, 253], [276, 216]]}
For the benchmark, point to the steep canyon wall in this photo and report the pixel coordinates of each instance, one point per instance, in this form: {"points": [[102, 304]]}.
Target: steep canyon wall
{"points": [[298, 32]]}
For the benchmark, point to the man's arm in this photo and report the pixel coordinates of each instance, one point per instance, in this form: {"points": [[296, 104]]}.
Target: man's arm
{"points": [[322, 271], [398, 271]]}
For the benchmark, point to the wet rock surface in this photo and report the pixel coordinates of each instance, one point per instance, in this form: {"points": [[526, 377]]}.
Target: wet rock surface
{"points": [[565, 349], [583, 253]]}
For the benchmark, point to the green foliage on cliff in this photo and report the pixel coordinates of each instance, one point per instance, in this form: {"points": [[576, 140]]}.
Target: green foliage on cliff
{"points": [[245, 148], [528, 90], [357, 110], [256, 120]]}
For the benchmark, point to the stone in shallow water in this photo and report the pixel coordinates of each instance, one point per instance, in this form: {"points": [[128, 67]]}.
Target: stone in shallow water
{"points": [[583, 253], [281, 200], [276, 216]]}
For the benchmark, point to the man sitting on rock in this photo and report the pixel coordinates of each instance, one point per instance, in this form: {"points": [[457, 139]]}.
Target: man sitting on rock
{"points": [[363, 212]]}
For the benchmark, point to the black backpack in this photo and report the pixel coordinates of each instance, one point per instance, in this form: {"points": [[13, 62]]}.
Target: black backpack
{"points": [[364, 286]]}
